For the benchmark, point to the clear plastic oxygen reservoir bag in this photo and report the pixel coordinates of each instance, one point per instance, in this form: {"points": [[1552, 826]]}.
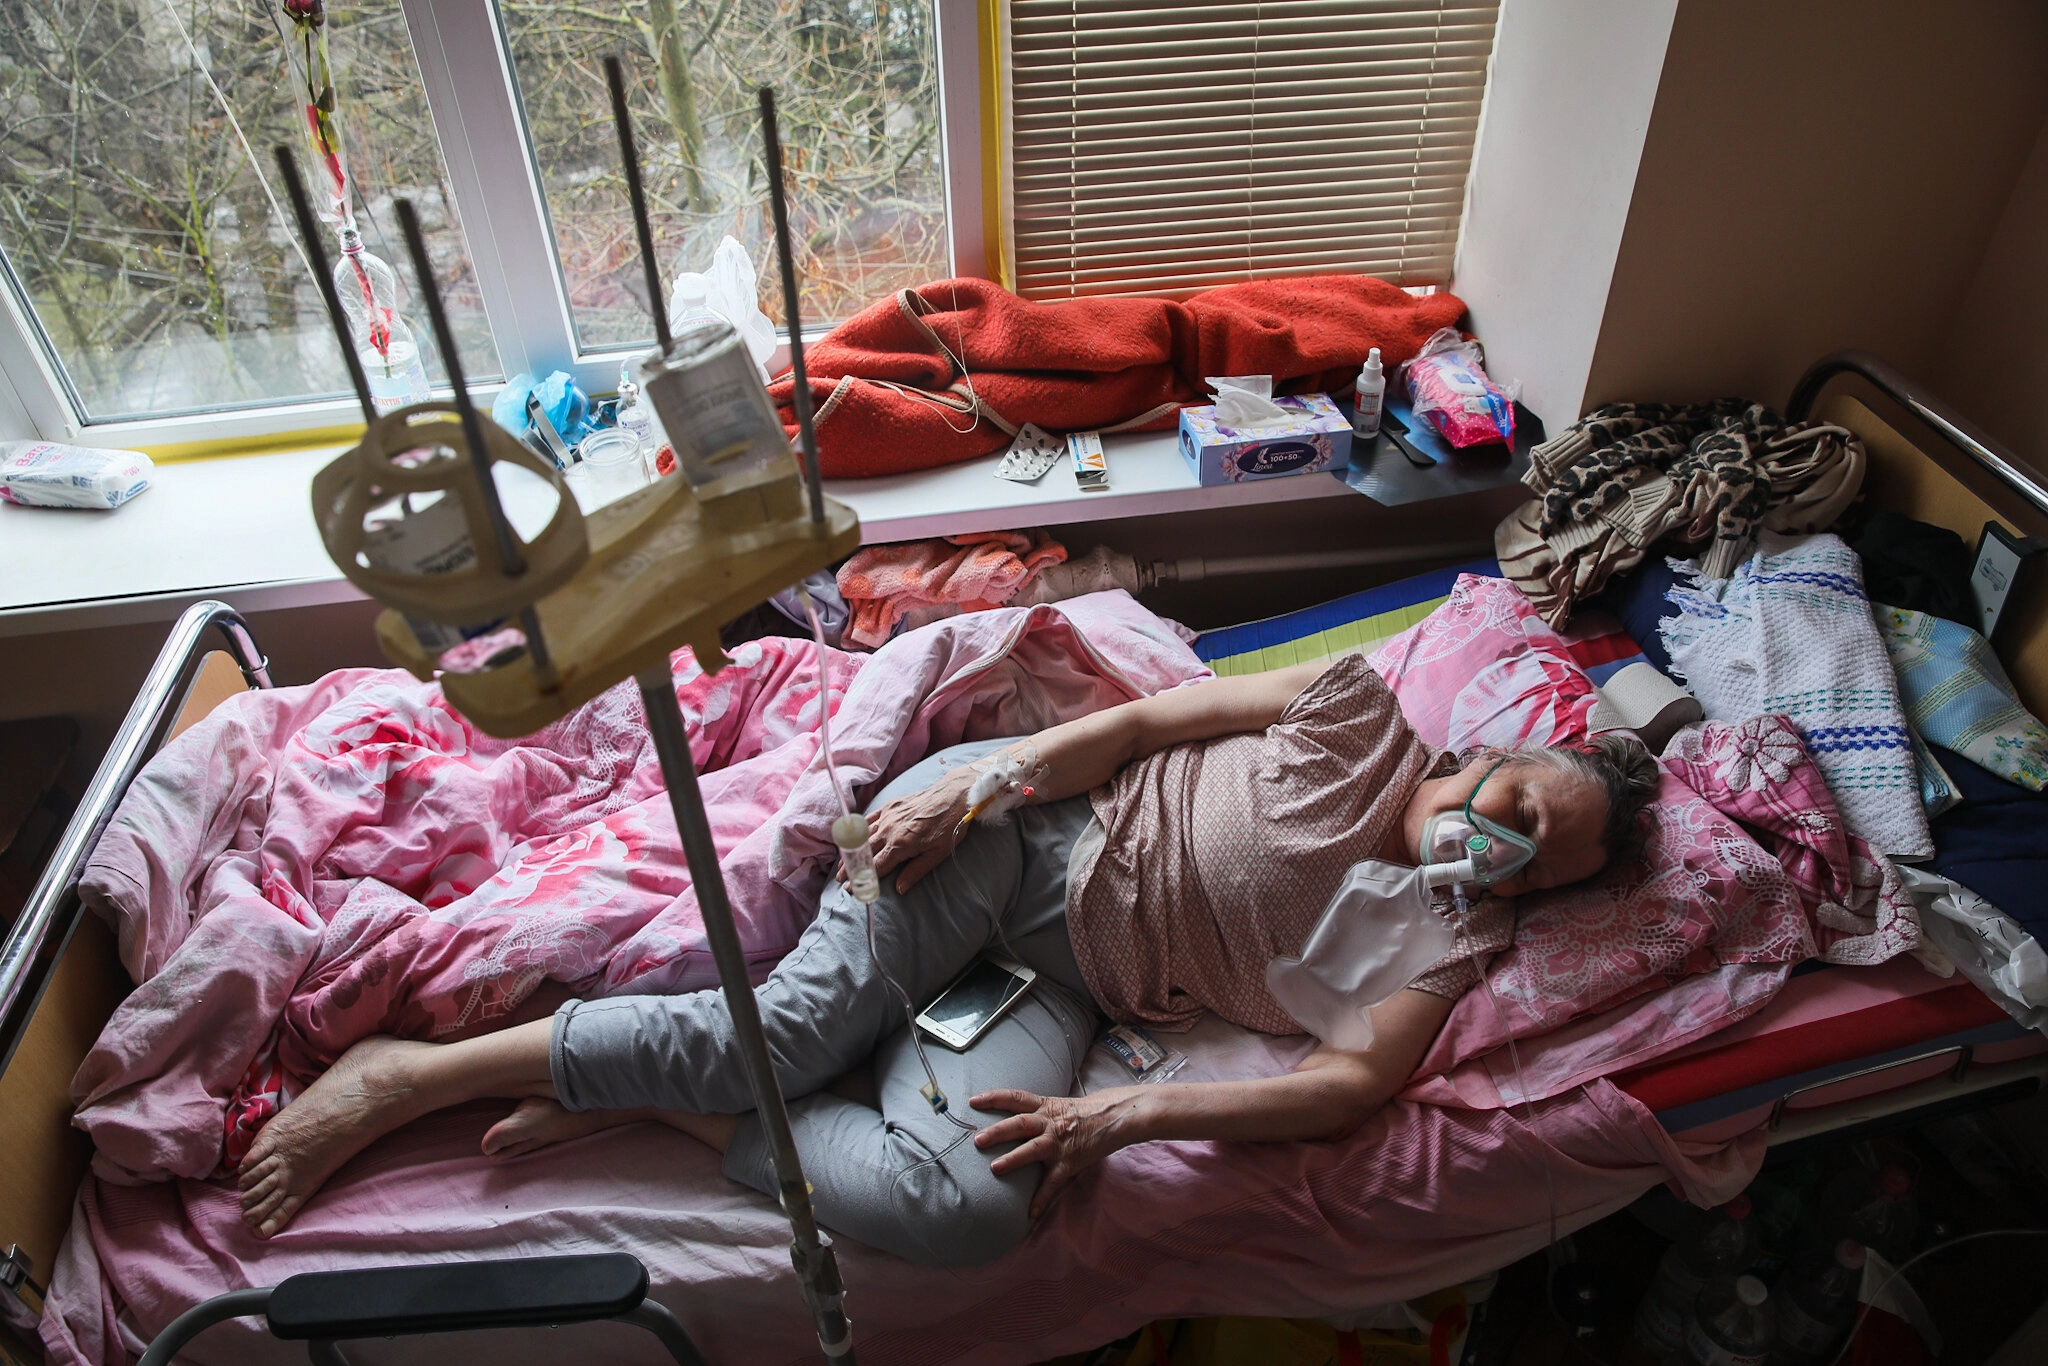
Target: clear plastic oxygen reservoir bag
{"points": [[1378, 934]]}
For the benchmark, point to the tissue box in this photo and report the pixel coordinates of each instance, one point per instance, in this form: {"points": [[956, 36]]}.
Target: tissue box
{"points": [[1318, 439]]}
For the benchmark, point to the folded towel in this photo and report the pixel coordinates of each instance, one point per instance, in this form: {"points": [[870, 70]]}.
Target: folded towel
{"points": [[882, 582], [1791, 633]]}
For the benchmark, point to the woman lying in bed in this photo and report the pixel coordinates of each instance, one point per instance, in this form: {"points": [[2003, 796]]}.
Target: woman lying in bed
{"points": [[1172, 846]]}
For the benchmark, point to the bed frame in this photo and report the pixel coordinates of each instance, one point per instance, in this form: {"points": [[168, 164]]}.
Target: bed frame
{"points": [[60, 976]]}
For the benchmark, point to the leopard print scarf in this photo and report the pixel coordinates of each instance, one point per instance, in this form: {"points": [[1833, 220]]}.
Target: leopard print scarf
{"points": [[1625, 443]]}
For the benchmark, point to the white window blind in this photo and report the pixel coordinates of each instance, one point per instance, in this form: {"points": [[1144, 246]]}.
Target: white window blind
{"points": [[1161, 148]]}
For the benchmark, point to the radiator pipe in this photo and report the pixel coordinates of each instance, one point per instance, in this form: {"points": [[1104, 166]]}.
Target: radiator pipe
{"points": [[1198, 568]]}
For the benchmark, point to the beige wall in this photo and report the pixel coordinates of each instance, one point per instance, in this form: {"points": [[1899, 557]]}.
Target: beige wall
{"points": [[1994, 362], [1819, 174]]}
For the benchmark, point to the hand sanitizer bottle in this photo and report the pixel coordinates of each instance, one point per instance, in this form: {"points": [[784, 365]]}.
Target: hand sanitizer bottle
{"points": [[636, 415], [1372, 391]]}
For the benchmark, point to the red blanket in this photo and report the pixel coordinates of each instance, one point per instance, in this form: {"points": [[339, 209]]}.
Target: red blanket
{"points": [[950, 371]]}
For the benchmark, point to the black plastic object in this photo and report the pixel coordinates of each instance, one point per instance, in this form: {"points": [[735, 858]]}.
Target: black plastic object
{"points": [[519, 1292]]}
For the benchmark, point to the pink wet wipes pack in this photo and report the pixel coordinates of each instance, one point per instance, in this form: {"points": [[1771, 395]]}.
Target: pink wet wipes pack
{"points": [[1448, 385]]}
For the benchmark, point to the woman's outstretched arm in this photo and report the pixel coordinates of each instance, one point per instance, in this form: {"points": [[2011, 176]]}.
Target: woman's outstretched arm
{"points": [[915, 833], [1328, 1096]]}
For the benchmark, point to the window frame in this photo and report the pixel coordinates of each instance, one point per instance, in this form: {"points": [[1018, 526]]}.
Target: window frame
{"points": [[471, 88]]}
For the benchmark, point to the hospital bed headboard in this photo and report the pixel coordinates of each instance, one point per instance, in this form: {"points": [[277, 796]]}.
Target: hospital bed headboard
{"points": [[1961, 480]]}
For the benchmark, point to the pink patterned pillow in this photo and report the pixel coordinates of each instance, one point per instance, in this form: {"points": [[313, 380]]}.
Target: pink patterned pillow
{"points": [[1704, 894], [1745, 863], [1484, 669]]}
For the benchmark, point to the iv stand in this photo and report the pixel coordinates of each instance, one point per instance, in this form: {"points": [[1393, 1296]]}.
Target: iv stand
{"points": [[817, 1270], [810, 1251]]}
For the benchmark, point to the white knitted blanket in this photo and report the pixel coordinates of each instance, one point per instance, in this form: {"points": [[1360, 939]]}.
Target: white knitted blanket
{"points": [[1791, 633]]}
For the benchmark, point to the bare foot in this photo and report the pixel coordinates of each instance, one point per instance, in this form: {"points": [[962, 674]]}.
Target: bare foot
{"points": [[352, 1104], [536, 1122]]}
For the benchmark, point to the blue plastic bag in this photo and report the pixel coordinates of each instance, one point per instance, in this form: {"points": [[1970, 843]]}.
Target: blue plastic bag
{"points": [[565, 404]]}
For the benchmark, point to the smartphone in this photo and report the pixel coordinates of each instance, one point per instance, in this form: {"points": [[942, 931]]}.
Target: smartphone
{"points": [[976, 1000]]}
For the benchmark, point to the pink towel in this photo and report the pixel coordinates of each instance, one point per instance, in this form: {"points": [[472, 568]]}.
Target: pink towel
{"points": [[882, 582]]}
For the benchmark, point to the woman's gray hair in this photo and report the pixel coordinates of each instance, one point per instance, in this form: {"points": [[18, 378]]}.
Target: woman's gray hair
{"points": [[1616, 762]]}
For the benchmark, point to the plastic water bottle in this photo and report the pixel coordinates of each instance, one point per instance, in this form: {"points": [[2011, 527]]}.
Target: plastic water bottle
{"points": [[1877, 1211], [1370, 394], [1724, 1247], [689, 300], [1733, 1324], [1783, 1199], [384, 342], [1816, 1300]]}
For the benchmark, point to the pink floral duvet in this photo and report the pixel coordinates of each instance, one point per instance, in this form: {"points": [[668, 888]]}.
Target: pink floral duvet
{"points": [[311, 865]]}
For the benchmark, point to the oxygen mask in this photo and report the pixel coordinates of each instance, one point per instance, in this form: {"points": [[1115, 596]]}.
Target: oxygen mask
{"points": [[1464, 848]]}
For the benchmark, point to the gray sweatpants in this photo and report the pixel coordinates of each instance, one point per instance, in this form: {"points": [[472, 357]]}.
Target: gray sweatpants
{"points": [[901, 1177]]}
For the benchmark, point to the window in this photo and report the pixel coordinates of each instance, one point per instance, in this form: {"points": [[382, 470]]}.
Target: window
{"points": [[138, 218], [857, 86], [1159, 148], [147, 270]]}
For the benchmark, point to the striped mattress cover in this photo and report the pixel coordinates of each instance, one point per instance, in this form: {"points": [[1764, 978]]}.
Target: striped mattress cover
{"points": [[1827, 1023]]}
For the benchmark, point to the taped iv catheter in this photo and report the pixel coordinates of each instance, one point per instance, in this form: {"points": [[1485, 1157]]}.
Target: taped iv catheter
{"points": [[611, 596]]}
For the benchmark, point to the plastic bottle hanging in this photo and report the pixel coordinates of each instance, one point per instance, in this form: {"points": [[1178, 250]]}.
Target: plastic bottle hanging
{"points": [[384, 342]]}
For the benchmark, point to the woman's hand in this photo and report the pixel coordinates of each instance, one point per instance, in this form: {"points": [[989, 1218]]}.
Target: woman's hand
{"points": [[916, 832], [1067, 1134]]}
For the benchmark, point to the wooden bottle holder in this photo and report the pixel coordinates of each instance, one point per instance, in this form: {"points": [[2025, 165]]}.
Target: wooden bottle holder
{"points": [[615, 592]]}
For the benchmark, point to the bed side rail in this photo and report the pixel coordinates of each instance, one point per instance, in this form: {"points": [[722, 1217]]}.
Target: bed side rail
{"points": [[322, 1307], [39, 932], [1983, 450]]}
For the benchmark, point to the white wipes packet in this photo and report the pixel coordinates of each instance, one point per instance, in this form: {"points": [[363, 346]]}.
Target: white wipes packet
{"points": [[46, 475], [1247, 401]]}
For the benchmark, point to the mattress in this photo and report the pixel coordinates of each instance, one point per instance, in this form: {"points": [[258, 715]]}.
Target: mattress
{"points": [[1823, 1030], [1366, 620], [1358, 621]]}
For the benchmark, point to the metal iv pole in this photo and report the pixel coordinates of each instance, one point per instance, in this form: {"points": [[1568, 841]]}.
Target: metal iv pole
{"points": [[817, 1270]]}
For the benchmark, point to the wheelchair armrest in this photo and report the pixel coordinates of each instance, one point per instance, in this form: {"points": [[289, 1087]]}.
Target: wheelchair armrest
{"points": [[512, 1293]]}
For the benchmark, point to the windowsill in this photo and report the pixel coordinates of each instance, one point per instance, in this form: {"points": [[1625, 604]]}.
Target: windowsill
{"points": [[242, 529]]}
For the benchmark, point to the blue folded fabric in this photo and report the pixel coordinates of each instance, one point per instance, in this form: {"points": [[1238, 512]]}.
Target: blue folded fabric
{"points": [[1639, 599], [1957, 695], [1995, 842]]}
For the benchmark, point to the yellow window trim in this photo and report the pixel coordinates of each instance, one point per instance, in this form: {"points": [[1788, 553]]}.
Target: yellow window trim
{"points": [[994, 240], [276, 443]]}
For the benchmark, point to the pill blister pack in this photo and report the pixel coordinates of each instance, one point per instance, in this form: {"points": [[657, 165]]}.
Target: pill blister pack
{"points": [[1031, 454]]}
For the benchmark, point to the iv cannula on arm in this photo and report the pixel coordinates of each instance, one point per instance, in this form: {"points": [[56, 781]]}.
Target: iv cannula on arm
{"points": [[917, 833]]}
